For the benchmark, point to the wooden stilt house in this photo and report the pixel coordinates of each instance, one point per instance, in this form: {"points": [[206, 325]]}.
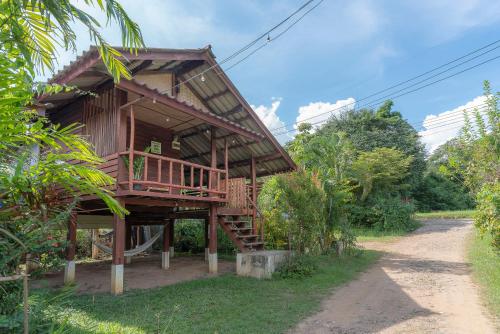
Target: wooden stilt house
{"points": [[181, 142]]}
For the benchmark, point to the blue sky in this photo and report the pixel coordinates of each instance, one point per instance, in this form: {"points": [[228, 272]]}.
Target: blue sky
{"points": [[342, 51]]}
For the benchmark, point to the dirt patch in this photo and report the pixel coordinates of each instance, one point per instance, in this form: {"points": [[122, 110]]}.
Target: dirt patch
{"points": [[142, 273], [421, 285]]}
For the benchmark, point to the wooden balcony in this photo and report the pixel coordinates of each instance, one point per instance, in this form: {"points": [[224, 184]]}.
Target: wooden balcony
{"points": [[165, 177]]}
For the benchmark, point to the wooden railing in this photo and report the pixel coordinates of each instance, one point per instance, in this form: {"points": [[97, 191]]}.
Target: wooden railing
{"points": [[253, 209], [173, 176]]}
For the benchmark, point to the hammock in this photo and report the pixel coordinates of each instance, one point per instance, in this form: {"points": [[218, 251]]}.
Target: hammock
{"points": [[131, 252]]}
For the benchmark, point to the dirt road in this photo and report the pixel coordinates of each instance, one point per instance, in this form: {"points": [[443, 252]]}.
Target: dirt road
{"points": [[421, 285]]}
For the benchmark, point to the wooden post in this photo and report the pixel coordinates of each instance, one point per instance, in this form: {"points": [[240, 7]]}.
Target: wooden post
{"points": [[213, 158], [205, 222], [69, 269], [118, 256], [131, 150], [226, 164], [165, 256], [172, 230], [253, 167], [212, 243], [128, 241], [121, 131]]}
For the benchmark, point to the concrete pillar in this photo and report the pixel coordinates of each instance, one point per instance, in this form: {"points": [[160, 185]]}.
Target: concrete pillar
{"points": [[69, 272], [69, 268], [212, 246], [118, 255], [165, 254], [95, 250]]}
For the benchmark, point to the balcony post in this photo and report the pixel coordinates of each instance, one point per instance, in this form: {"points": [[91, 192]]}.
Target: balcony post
{"points": [[213, 143], [131, 150], [121, 131], [253, 170]]}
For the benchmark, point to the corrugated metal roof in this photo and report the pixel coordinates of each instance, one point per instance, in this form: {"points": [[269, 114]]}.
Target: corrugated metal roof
{"points": [[215, 90]]}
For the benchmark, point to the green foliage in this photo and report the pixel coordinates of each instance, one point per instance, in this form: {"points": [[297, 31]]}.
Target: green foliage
{"points": [[36, 157], [368, 129], [484, 261], [35, 28], [476, 159], [438, 192], [487, 217], [294, 209], [382, 168], [296, 267], [190, 238]]}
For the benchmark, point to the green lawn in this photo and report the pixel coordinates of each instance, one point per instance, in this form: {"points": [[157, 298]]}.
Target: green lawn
{"points": [[486, 268], [445, 214], [225, 304]]}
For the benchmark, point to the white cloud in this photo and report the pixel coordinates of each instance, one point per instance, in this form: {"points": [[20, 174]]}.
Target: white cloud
{"points": [[317, 113], [270, 118], [446, 125]]}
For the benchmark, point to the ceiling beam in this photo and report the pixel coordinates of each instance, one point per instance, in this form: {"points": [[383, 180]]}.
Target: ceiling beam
{"points": [[142, 66], [245, 162], [217, 95], [208, 117]]}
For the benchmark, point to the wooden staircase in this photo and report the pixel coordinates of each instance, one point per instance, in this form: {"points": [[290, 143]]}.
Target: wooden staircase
{"points": [[238, 226]]}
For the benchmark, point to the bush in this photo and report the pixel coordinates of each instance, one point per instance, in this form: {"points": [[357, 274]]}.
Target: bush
{"points": [[383, 214], [298, 266], [487, 217], [190, 237]]}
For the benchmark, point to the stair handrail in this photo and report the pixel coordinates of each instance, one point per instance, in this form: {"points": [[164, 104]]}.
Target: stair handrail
{"points": [[249, 199]]}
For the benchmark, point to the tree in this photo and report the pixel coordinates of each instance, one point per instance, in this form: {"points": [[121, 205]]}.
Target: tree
{"points": [[383, 168], [368, 129], [35, 156], [477, 158]]}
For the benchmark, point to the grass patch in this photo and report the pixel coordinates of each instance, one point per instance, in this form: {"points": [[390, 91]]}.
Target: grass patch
{"points": [[366, 234], [486, 270], [460, 214], [225, 304]]}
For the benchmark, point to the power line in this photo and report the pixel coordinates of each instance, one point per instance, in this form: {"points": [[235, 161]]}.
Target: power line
{"points": [[255, 41], [323, 121], [405, 81], [402, 94]]}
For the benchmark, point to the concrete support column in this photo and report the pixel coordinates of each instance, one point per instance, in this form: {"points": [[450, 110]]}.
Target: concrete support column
{"points": [[95, 250], [206, 239], [212, 243], [165, 254], [172, 230], [69, 268], [118, 256]]}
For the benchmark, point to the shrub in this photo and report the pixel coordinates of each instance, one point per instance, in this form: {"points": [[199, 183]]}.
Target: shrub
{"points": [[384, 214], [298, 266], [190, 237], [487, 217]]}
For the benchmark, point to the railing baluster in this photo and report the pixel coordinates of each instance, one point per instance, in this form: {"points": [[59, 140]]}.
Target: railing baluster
{"points": [[182, 174], [159, 170], [145, 168], [192, 177], [201, 181], [170, 171]]}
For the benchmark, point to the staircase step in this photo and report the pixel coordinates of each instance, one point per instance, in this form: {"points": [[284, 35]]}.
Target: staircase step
{"points": [[241, 229], [253, 244], [250, 236]]}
